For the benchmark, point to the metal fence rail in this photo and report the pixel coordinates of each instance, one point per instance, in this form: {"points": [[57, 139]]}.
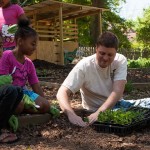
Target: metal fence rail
{"points": [[130, 54]]}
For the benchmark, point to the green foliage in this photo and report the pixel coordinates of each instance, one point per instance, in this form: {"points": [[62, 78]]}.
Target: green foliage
{"points": [[83, 2], [120, 116], [117, 25], [138, 45], [139, 63], [86, 119], [54, 111], [111, 21], [129, 87], [25, 2], [143, 28]]}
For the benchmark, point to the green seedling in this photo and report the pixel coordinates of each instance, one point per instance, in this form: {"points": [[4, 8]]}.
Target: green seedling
{"points": [[120, 116], [86, 119], [54, 111]]}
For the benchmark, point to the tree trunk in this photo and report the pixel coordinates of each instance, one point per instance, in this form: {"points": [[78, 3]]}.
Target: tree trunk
{"points": [[95, 25]]}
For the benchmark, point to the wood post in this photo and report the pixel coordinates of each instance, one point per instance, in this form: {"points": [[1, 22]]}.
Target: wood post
{"points": [[61, 36], [100, 19]]}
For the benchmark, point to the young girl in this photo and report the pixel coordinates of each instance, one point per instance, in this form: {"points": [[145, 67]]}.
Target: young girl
{"points": [[9, 15], [22, 67]]}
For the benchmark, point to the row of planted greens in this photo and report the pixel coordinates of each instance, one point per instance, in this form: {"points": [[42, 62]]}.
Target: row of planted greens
{"points": [[139, 63]]}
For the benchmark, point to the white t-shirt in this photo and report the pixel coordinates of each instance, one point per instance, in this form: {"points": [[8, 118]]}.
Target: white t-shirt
{"points": [[95, 83]]}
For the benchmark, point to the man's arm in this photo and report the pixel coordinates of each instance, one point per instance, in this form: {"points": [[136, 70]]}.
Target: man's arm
{"points": [[116, 94], [63, 98]]}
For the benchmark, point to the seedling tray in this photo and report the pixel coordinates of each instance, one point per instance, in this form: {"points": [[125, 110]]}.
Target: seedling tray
{"points": [[123, 130]]}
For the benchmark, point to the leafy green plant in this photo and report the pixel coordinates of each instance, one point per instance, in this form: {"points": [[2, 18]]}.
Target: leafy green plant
{"points": [[86, 119], [139, 63], [38, 71], [54, 111], [129, 87], [120, 116], [44, 72]]}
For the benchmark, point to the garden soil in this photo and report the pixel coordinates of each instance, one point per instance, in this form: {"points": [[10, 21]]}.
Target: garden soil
{"points": [[59, 134]]}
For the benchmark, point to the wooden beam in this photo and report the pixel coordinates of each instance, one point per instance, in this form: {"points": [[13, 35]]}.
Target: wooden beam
{"points": [[46, 9], [100, 19], [77, 15], [71, 10], [89, 13], [61, 36], [52, 15]]}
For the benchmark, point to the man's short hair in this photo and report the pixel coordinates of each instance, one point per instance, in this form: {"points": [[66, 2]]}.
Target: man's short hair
{"points": [[108, 39]]}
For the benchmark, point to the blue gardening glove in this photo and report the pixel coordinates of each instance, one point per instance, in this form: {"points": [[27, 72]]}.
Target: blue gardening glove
{"points": [[54, 111], [13, 122], [28, 103]]}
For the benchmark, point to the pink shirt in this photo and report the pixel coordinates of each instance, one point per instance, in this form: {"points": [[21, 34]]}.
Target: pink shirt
{"points": [[9, 16], [23, 73]]}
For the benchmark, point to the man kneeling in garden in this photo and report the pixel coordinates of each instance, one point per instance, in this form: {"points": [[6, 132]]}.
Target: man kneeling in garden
{"points": [[101, 79]]}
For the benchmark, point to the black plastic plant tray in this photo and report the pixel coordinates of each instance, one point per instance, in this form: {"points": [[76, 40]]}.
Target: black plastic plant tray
{"points": [[122, 130]]}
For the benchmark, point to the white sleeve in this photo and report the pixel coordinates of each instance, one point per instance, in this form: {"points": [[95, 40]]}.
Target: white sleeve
{"points": [[121, 71]]}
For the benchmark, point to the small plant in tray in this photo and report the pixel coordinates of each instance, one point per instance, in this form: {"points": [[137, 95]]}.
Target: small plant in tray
{"points": [[121, 116], [121, 121]]}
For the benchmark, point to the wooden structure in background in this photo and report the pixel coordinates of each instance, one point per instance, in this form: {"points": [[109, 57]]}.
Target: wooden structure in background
{"points": [[56, 25]]}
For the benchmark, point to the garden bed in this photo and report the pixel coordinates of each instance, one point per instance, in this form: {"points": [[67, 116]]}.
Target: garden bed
{"points": [[56, 73], [60, 134]]}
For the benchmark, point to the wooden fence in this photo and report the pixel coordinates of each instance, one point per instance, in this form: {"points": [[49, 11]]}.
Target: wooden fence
{"points": [[130, 54]]}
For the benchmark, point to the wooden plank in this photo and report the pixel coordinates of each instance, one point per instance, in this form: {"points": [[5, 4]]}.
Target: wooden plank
{"points": [[41, 10], [57, 32], [81, 15], [45, 51], [42, 27], [47, 31], [61, 37], [46, 36]]}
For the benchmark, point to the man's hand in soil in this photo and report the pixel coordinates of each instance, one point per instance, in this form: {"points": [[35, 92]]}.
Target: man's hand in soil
{"points": [[93, 117], [77, 120]]}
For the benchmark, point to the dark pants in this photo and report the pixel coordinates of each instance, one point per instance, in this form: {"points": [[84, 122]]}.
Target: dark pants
{"points": [[10, 97]]}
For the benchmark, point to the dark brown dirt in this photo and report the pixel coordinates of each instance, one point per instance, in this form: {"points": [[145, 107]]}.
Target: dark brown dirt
{"points": [[59, 134]]}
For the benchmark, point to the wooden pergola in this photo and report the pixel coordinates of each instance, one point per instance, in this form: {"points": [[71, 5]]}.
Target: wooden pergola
{"points": [[54, 11]]}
